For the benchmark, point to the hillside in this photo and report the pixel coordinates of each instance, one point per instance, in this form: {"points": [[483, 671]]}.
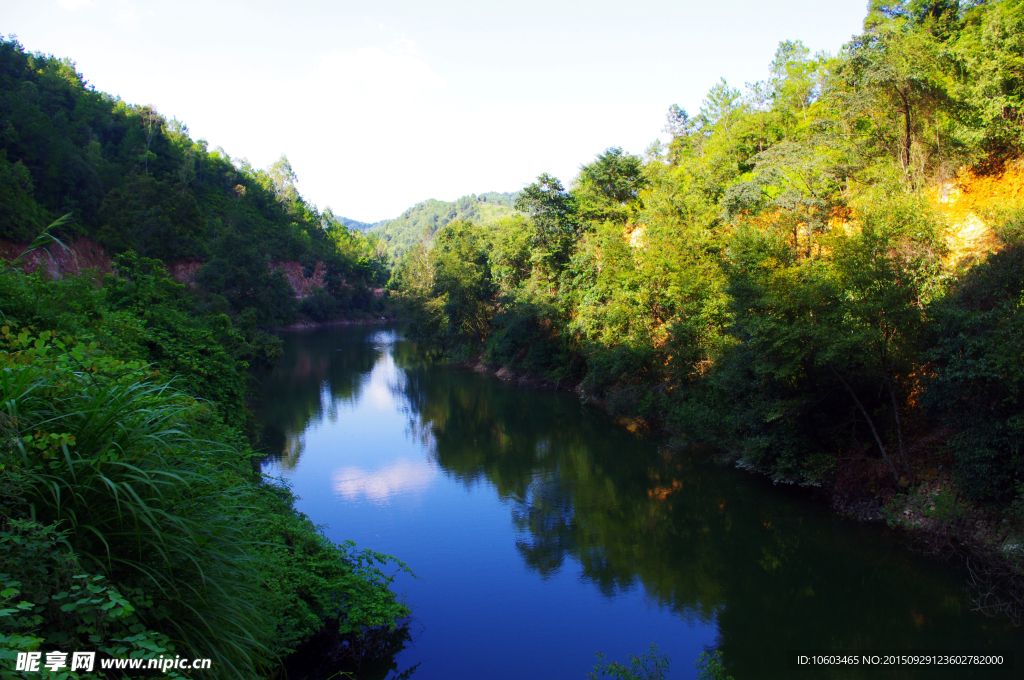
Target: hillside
{"points": [[130, 329], [404, 231], [129, 179], [356, 225]]}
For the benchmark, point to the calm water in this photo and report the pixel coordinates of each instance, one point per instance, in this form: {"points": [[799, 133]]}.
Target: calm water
{"points": [[542, 533]]}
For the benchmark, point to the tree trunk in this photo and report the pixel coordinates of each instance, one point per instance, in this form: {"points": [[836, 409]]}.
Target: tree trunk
{"points": [[907, 135], [871, 424], [899, 424]]}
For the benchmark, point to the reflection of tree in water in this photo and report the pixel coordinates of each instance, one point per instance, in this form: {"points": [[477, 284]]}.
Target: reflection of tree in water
{"points": [[772, 570], [291, 450], [546, 515], [318, 370]]}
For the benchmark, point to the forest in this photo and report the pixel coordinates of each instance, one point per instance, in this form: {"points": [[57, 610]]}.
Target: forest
{"points": [[817, 279], [421, 221]]}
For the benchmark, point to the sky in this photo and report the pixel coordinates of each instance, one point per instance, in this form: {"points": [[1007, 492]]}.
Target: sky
{"points": [[381, 105]]}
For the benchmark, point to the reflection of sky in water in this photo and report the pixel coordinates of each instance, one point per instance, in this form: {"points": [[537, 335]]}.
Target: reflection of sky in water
{"points": [[379, 388], [366, 465], [382, 391], [540, 533], [401, 477], [355, 438]]}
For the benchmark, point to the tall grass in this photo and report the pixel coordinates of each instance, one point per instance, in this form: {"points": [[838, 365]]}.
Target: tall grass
{"points": [[107, 453]]}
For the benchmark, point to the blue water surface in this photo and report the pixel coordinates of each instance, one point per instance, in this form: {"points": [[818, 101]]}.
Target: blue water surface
{"points": [[541, 533]]}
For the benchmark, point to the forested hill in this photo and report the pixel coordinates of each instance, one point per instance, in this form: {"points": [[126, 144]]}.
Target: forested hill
{"points": [[133, 180], [356, 224], [424, 219], [126, 469], [819, 276]]}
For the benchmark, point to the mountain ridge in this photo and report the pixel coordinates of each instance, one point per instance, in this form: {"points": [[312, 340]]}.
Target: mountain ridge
{"points": [[402, 232]]}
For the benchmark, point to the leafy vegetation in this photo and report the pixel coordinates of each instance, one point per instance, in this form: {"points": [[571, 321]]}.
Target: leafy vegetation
{"points": [[786, 279], [977, 387], [132, 519], [650, 666], [778, 281], [654, 666], [421, 221], [134, 499]]}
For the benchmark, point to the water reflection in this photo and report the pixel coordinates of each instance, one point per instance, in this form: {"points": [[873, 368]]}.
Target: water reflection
{"points": [[319, 372], [774, 571], [765, 567], [403, 477]]}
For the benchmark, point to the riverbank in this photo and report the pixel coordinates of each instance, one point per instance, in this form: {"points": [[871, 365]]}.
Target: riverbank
{"points": [[989, 543], [145, 393], [305, 325], [927, 507]]}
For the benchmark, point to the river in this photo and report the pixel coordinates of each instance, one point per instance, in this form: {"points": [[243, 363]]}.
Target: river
{"points": [[541, 532]]}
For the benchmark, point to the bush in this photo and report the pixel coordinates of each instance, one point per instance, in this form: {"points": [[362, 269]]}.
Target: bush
{"points": [[54, 603], [978, 382], [104, 451]]}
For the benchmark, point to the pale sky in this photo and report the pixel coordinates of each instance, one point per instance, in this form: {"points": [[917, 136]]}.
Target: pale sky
{"points": [[381, 105]]}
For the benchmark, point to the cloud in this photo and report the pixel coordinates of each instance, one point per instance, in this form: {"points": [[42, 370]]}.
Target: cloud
{"points": [[74, 4], [393, 71], [402, 477]]}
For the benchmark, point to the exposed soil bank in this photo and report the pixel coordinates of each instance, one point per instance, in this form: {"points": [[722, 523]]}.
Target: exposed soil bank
{"points": [[83, 253]]}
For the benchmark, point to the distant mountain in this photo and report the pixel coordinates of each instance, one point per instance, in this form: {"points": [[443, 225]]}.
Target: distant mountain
{"points": [[427, 217], [508, 198], [356, 224]]}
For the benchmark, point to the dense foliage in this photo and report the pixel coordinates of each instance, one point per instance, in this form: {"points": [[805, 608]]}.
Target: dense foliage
{"points": [[421, 221], [132, 520], [979, 382], [131, 517], [133, 180], [779, 279]]}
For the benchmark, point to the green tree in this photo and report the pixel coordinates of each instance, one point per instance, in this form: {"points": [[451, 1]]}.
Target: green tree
{"points": [[552, 211], [892, 88], [462, 284], [147, 215], [282, 181], [978, 383], [23, 218], [609, 188], [990, 54], [243, 278]]}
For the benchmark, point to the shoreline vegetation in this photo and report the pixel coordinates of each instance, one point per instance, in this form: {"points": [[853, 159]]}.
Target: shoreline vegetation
{"points": [[818, 278], [309, 325], [135, 521]]}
